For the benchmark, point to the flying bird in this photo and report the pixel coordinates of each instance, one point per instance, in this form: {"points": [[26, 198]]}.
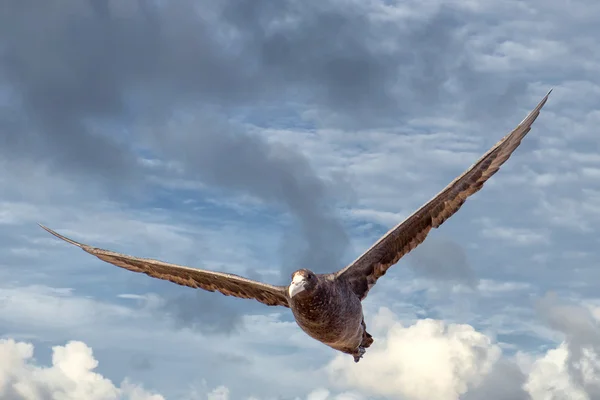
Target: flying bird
{"points": [[328, 307]]}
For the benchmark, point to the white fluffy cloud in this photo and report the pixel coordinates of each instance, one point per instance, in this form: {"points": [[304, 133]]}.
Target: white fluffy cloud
{"points": [[428, 360], [549, 378], [71, 376], [432, 359]]}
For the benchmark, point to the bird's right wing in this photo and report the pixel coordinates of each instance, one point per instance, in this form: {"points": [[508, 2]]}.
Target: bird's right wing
{"points": [[227, 284]]}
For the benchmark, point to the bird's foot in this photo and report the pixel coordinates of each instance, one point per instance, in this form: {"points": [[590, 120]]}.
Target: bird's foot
{"points": [[359, 353]]}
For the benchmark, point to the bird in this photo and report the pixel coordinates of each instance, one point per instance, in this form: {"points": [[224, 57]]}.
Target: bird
{"points": [[328, 306]]}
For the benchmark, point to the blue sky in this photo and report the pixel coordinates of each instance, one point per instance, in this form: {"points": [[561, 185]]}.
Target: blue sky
{"points": [[257, 139]]}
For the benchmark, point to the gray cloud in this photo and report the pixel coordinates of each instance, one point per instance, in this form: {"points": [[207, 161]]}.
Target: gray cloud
{"points": [[225, 157], [582, 334], [72, 66], [443, 260], [141, 362], [90, 83], [504, 382], [209, 313], [77, 71], [206, 312], [74, 71]]}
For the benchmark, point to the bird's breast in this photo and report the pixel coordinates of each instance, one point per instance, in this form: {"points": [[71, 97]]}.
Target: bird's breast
{"points": [[328, 316]]}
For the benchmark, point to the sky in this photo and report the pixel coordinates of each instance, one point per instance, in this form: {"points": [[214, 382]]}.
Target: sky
{"points": [[258, 138]]}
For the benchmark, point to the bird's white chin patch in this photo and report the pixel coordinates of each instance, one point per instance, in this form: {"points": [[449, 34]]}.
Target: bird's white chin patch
{"points": [[296, 286]]}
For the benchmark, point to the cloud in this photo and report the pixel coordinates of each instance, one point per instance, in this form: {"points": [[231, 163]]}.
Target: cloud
{"points": [[96, 63], [510, 235], [434, 359], [550, 378], [410, 359], [429, 359], [70, 377], [186, 240], [130, 74], [203, 311], [444, 260], [223, 393], [220, 393], [231, 159], [122, 332], [324, 394], [197, 131], [579, 356], [506, 381]]}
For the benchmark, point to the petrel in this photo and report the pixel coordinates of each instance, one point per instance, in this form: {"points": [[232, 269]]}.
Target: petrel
{"points": [[328, 306]]}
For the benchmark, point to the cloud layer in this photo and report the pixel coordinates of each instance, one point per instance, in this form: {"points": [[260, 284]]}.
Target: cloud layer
{"points": [[257, 138], [427, 359]]}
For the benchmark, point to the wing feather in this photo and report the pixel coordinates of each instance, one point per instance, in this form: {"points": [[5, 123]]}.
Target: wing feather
{"points": [[227, 284], [363, 273]]}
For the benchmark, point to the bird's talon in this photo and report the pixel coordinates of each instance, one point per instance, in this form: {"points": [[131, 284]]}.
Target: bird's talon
{"points": [[360, 352]]}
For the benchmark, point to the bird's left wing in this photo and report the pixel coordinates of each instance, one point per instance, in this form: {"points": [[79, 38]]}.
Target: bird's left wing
{"points": [[363, 273], [228, 284]]}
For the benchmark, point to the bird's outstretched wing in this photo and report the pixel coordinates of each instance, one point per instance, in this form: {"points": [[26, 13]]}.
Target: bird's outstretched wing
{"points": [[228, 284], [363, 273]]}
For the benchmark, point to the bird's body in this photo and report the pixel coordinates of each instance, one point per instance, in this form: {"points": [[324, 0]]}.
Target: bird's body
{"points": [[331, 313], [328, 306]]}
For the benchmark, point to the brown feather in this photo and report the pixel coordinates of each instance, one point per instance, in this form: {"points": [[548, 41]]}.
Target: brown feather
{"points": [[228, 284], [404, 237]]}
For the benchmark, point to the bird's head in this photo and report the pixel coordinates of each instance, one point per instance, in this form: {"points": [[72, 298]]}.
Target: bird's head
{"points": [[303, 281]]}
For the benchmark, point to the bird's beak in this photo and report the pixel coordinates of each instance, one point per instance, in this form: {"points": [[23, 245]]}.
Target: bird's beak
{"points": [[297, 285]]}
